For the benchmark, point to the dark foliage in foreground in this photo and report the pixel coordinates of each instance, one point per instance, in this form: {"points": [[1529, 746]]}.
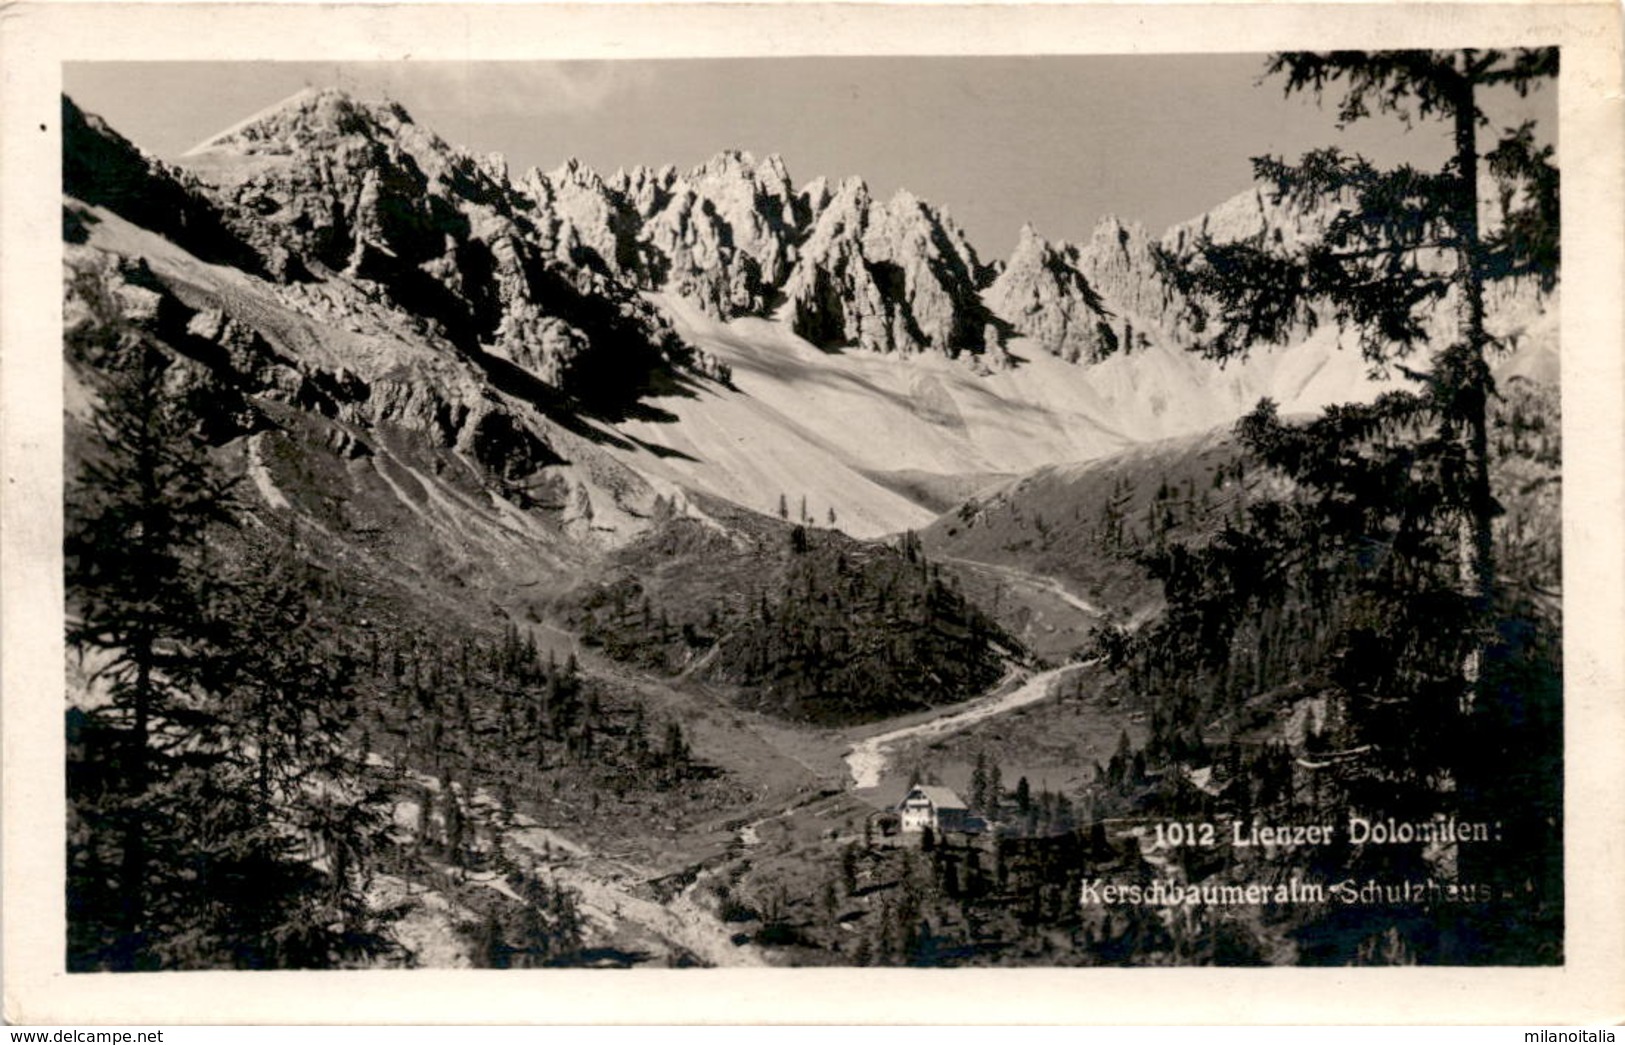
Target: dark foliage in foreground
{"points": [[1370, 601], [215, 818]]}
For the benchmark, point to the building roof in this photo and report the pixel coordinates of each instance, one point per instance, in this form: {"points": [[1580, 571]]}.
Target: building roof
{"points": [[941, 797], [1202, 780]]}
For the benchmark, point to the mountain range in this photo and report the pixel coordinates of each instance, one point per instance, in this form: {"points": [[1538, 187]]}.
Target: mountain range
{"points": [[717, 330]]}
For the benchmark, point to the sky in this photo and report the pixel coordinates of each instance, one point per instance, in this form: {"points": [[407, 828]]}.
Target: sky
{"points": [[1060, 142]]}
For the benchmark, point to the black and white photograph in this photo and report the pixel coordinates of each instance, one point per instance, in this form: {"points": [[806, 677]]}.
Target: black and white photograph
{"points": [[1036, 511]]}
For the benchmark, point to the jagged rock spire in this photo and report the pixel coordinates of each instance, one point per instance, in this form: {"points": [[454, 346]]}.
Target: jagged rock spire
{"points": [[1044, 297]]}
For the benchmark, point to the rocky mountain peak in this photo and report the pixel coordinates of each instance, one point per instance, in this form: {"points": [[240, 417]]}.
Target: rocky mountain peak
{"points": [[312, 118], [853, 187], [1255, 213], [1112, 233], [495, 166], [889, 277], [814, 197], [772, 169], [535, 185], [1111, 293], [645, 189], [904, 201], [1041, 293], [102, 168], [572, 171], [325, 186], [722, 234], [733, 235], [735, 162]]}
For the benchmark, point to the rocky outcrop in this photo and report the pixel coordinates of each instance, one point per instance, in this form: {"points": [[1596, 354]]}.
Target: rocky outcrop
{"points": [[586, 222], [1251, 215], [545, 273], [1043, 296], [1119, 262], [889, 277], [100, 167], [722, 235], [323, 184], [1112, 294], [735, 237], [237, 358], [414, 292]]}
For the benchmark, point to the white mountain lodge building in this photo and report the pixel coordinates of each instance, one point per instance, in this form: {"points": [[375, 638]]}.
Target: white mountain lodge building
{"points": [[938, 808]]}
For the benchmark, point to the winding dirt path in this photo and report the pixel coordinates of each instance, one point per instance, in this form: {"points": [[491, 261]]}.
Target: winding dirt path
{"points": [[868, 758], [1033, 580]]}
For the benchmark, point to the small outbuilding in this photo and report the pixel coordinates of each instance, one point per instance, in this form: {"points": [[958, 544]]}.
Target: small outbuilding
{"points": [[928, 805]]}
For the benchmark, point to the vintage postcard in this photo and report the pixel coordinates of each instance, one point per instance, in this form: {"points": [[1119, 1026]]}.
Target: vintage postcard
{"points": [[1029, 514]]}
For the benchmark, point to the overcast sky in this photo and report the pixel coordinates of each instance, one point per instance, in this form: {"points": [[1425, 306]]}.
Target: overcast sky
{"points": [[1058, 141]]}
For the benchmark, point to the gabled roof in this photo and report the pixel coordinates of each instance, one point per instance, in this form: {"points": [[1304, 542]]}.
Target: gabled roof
{"points": [[1202, 780], [941, 797]]}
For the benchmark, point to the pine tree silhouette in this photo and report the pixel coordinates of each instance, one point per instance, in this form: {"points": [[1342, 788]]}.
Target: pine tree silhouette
{"points": [[193, 831]]}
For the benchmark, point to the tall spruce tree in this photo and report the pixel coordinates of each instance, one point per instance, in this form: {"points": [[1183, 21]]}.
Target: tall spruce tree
{"points": [[212, 822], [1400, 244], [139, 587], [1383, 557]]}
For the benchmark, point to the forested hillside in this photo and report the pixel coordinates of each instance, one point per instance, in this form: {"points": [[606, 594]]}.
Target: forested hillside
{"points": [[1091, 525], [800, 621], [242, 677]]}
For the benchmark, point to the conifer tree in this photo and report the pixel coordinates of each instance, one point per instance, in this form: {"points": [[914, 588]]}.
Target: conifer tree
{"points": [[1401, 244], [193, 833], [286, 696], [849, 868], [135, 553], [1382, 560]]}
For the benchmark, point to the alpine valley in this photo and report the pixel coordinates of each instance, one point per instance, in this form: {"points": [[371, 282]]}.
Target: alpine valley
{"points": [[639, 539]]}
